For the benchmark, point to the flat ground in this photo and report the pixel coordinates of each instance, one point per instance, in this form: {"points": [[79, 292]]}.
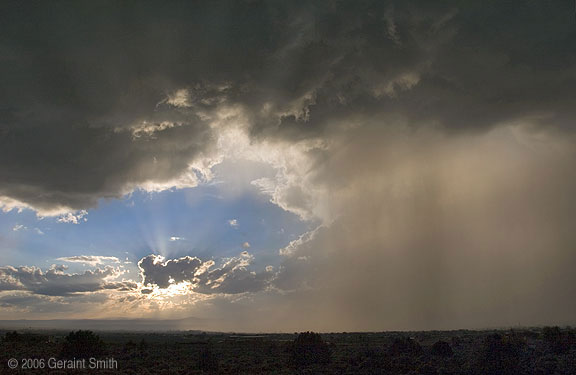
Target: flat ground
{"points": [[519, 351]]}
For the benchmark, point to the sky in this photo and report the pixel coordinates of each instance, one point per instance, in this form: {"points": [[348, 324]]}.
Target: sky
{"points": [[280, 166]]}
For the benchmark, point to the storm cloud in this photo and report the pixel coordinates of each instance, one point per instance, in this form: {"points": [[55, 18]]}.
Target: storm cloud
{"points": [[100, 99]]}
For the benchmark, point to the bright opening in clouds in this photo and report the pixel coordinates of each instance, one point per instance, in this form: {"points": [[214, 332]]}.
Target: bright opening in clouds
{"points": [[273, 166]]}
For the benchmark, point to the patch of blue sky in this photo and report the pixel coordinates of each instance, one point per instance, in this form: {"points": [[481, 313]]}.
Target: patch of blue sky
{"points": [[192, 221]]}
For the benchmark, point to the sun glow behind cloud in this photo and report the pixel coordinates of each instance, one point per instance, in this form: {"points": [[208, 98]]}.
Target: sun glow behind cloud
{"points": [[233, 144]]}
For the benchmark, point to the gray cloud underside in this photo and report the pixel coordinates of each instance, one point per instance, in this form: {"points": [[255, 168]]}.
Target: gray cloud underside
{"points": [[73, 75], [55, 282], [232, 277]]}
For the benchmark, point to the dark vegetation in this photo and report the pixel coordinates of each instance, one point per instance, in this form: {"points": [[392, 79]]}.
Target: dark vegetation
{"points": [[309, 350], [547, 351], [82, 344]]}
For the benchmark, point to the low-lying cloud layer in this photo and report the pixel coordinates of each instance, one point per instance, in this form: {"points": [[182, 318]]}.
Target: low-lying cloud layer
{"points": [[56, 282]]}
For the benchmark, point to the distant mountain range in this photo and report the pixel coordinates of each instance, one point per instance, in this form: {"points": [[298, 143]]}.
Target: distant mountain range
{"points": [[110, 324]]}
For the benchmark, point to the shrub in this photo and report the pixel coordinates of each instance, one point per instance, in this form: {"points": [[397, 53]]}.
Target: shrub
{"points": [[500, 355], [82, 344], [309, 349], [427, 369], [442, 349], [369, 360], [143, 347], [557, 341], [12, 337], [129, 347], [207, 360], [404, 346]]}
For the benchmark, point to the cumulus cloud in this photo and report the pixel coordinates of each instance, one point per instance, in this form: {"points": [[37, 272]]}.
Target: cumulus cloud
{"points": [[156, 271], [74, 218], [56, 282], [233, 222], [232, 277]]}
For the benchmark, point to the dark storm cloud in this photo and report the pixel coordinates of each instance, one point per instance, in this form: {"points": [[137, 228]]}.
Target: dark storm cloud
{"points": [[75, 76], [90, 105], [55, 282], [454, 65]]}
